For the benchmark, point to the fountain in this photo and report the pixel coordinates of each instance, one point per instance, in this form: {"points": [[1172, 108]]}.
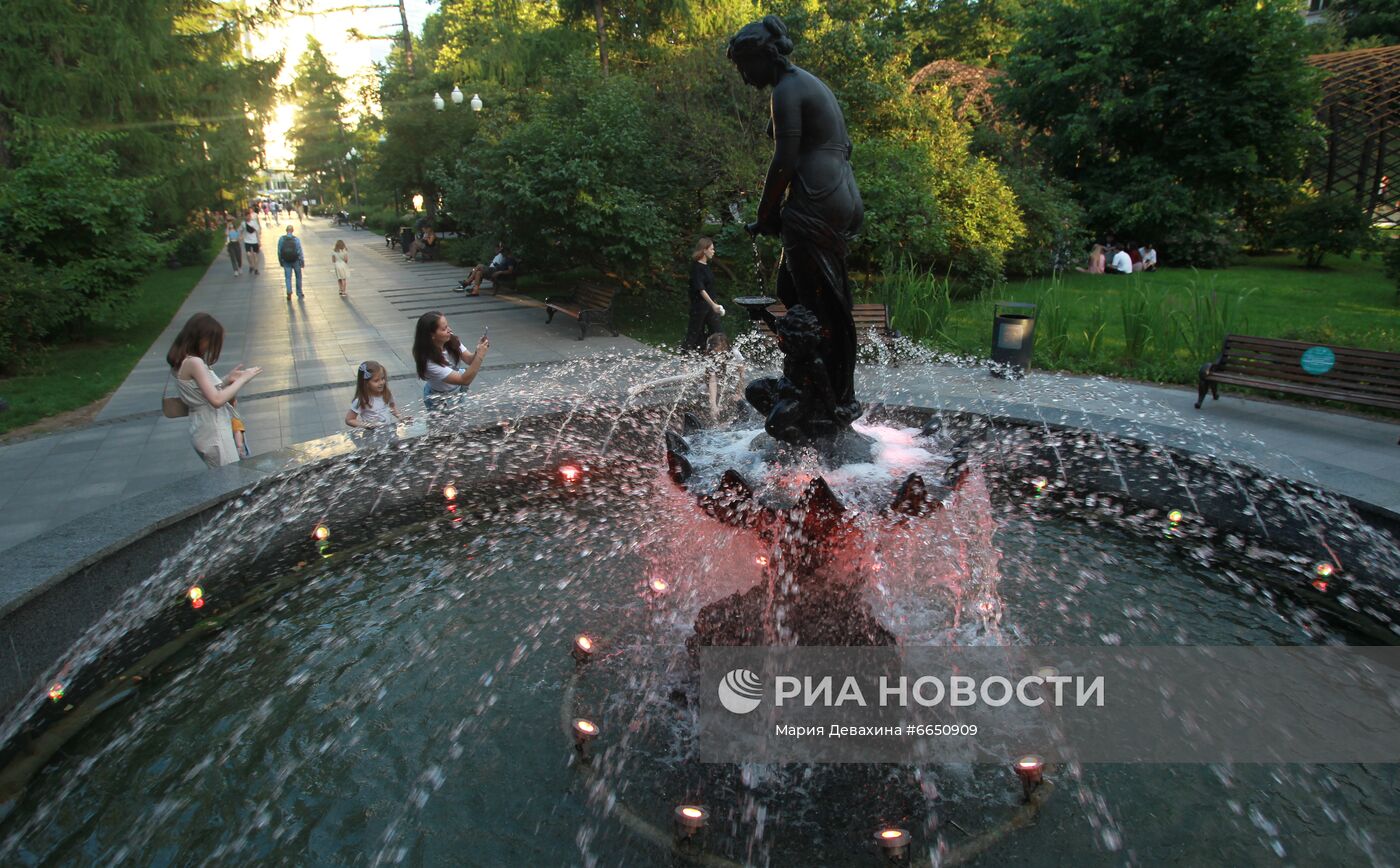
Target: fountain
{"points": [[482, 640]]}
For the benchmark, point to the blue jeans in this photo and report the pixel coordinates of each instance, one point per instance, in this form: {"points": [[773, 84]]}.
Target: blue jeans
{"points": [[287, 275]]}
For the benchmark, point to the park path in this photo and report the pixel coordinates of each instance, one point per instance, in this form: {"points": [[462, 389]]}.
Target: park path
{"points": [[309, 351]]}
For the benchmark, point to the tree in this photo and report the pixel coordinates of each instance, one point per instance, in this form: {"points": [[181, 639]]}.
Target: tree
{"points": [[1165, 113], [1318, 225], [977, 32], [319, 135], [168, 75], [1372, 22], [77, 236]]}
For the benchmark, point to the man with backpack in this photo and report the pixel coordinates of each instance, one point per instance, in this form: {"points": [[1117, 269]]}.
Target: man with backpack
{"points": [[289, 253]]}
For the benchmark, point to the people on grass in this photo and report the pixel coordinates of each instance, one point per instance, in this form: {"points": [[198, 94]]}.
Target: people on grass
{"points": [[292, 260], [373, 405], [1096, 261], [1121, 263], [705, 312], [1149, 256], [340, 261], [209, 399], [443, 365]]}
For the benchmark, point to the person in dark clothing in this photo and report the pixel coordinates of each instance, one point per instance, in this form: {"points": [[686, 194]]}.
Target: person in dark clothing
{"points": [[705, 312]]}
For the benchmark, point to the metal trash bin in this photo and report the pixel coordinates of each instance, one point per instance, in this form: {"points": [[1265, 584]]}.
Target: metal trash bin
{"points": [[1013, 338]]}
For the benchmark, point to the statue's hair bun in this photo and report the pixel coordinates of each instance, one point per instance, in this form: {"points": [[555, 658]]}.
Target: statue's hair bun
{"points": [[780, 41]]}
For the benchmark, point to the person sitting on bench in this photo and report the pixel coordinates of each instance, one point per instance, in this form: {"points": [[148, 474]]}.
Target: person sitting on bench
{"points": [[502, 266], [425, 246]]}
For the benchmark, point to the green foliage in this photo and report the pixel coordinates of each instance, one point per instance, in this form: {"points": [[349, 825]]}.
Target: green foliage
{"points": [[31, 305], [564, 187], [1054, 235], [1052, 325], [1164, 113], [192, 247], [69, 212], [319, 136], [1318, 226], [918, 300], [978, 32], [931, 202], [1136, 312], [1390, 258], [169, 76], [1366, 23], [1202, 316]]}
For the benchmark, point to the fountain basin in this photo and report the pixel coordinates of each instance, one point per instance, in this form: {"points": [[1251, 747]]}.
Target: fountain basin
{"points": [[463, 619]]}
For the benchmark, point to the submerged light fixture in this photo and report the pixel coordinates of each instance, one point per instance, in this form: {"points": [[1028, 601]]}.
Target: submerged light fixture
{"points": [[585, 731], [690, 819], [583, 648], [449, 492], [570, 473], [56, 692], [894, 843], [1031, 770], [659, 585], [321, 533], [196, 595]]}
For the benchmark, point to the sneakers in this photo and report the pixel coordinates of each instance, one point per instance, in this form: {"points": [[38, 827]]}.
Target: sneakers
{"points": [[460, 287]]}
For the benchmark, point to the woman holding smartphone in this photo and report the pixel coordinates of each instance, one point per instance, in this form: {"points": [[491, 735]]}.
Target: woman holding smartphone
{"points": [[440, 359]]}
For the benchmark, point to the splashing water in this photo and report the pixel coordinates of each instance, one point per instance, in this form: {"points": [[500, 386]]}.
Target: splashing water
{"points": [[358, 707]]}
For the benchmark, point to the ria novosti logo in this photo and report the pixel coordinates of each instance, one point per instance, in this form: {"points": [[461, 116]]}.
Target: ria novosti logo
{"points": [[740, 691]]}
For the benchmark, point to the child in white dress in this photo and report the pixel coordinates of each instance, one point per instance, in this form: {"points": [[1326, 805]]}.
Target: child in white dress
{"points": [[373, 405], [340, 261]]}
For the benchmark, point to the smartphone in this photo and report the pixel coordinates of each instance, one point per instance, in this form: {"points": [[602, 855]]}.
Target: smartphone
{"points": [[486, 333]]}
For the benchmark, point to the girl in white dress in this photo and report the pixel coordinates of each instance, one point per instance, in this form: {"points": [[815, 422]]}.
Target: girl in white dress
{"points": [[340, 261], [374, 403], [196, 347]]}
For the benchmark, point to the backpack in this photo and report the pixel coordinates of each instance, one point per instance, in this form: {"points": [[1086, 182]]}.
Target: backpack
{"points": [[287, 250]]}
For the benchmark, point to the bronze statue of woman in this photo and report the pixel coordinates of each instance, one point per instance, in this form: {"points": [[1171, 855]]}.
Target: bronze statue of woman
{"points": [[810, 198]]}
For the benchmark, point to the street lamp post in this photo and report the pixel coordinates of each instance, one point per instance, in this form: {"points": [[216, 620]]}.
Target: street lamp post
{"points": [[351, 157], [440, 104]]}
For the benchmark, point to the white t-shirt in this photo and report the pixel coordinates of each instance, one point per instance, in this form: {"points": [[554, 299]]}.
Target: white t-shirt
{"points": [[1149, 256], [377, 414], [250, 231], [499, 261], [437, 374], [1122, 262]]}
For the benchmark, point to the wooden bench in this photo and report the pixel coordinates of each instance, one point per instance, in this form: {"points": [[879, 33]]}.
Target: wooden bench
{"points": [[1355, 376], [591, 305], [870, 319]]}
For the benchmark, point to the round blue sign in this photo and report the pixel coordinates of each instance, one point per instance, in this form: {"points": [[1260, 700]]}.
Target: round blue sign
{"points": [[1318, 360]]}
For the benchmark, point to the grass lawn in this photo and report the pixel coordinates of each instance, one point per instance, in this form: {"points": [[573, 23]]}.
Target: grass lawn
{"points": [[70, 376], [1349, 302]]}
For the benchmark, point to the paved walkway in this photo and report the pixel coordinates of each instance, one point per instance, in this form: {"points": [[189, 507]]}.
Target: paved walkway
{"points": [[309, 351]]}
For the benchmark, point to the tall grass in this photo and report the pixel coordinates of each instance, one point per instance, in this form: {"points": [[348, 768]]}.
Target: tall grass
{"points": [[1202, 317], [1051, 325], [1136, 311], [918, 301]]}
